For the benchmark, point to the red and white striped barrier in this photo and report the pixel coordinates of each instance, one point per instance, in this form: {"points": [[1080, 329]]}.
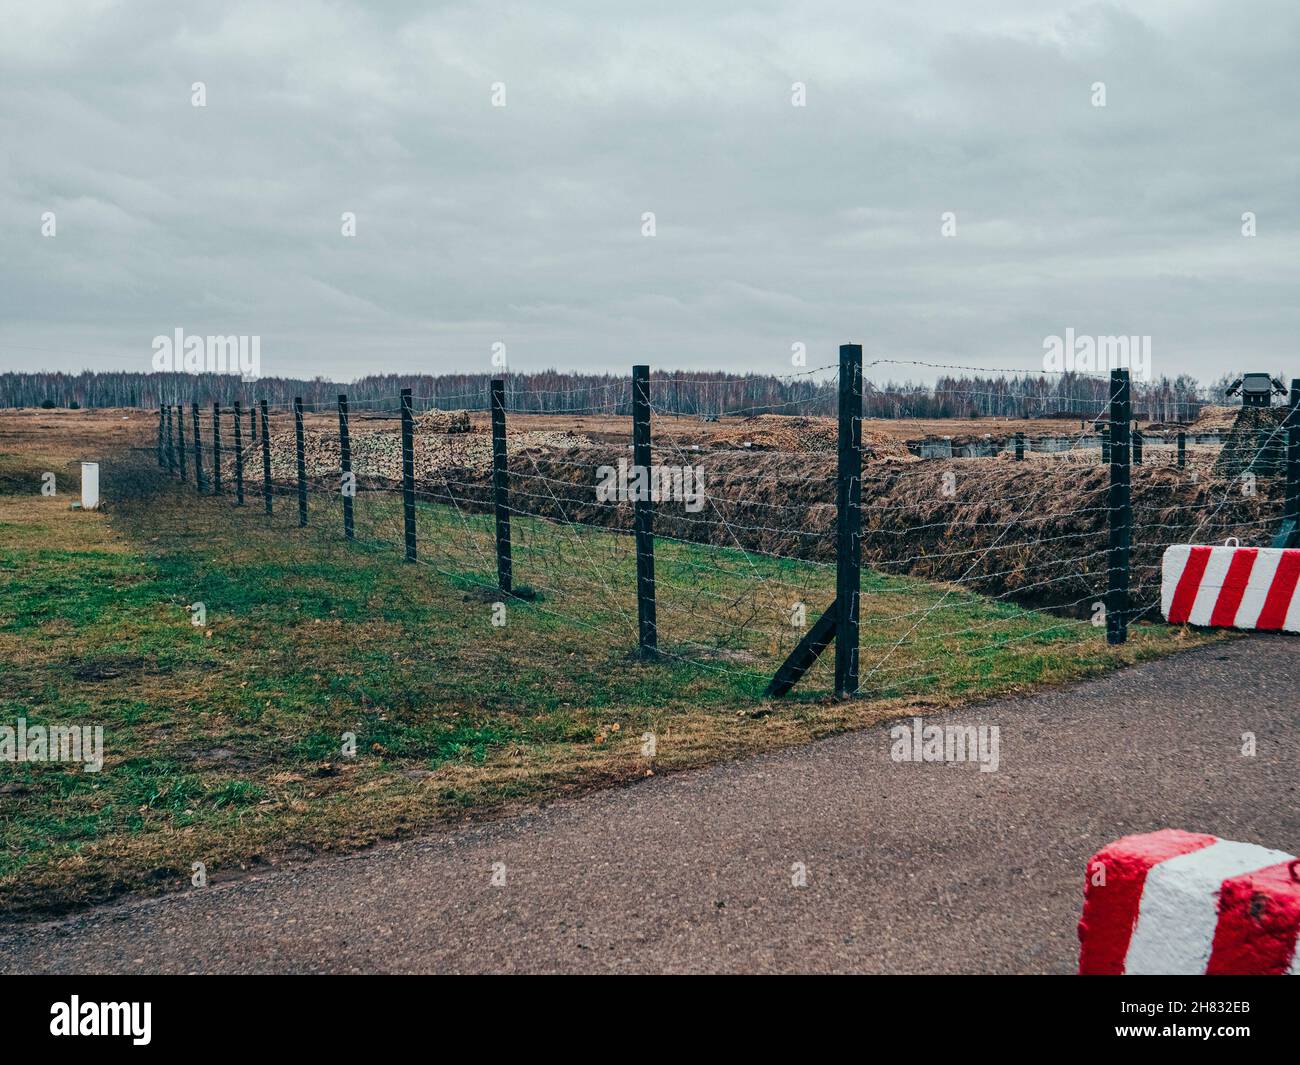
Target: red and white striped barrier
{"points": [[1182, 903], [1238, 587]]}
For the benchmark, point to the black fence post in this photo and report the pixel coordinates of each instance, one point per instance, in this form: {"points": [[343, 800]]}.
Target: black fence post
{"points": [[239, 455], [500, 486], [162, 424], [216, 449], [171, 443], [408, 473], [266, 462], [1121, 509], [848, 525], [180, 441], [1105, 445], [643, 515], [345, 468], [1137, 447], [1020, 447], [302, 461], [1182, 450], [198, 448], [1292, 510]]}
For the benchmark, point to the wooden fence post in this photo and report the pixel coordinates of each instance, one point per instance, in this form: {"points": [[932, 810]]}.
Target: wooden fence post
{"points": [[1137, 447], [302, 461], [216, 449], [839, 622], [171, 443], [500, 486], [643, 516], [162, 424], [239, 455], [848, 541], [345, 468], [180, 441], [1182, 450], [1020, 447], [408, 474], [266, 461], [1293, 454], [1121, 509], [198, 448]]}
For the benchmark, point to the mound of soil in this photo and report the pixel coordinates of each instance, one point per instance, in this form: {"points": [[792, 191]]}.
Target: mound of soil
{"points": [[377, 454], [782, 432], [1214, 418], [1256, 442], [443, 421], [1035, 532]]}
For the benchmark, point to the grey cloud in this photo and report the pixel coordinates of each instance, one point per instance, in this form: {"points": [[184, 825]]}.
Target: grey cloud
{"points": [[775, 223]]}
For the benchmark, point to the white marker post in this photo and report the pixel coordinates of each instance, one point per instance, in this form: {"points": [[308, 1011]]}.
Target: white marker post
{"points": [[90, 485]]}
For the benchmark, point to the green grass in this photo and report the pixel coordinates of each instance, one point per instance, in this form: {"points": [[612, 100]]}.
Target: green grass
{"points": [[225, 743]]}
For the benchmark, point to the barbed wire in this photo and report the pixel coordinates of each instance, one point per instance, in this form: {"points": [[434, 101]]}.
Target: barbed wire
{"points": [[740, 577]]}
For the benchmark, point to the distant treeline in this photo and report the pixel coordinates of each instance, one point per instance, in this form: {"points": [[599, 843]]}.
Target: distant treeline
{"points": [[684, 392]]}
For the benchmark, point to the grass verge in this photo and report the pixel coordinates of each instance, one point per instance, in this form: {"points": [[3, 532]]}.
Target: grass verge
{"points": [[225, 741]]}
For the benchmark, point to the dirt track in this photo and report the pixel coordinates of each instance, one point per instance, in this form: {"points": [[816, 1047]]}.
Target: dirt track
{"points": [[910, 868]]}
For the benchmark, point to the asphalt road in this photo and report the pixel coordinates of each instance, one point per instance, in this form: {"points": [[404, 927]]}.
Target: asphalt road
{"points": [[910, 867]]}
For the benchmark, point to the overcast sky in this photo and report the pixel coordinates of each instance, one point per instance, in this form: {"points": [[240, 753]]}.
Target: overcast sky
{"points": [[775, 224]]}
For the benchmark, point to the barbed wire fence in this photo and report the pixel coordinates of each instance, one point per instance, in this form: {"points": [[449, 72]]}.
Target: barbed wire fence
{"points": [[752, 546]]}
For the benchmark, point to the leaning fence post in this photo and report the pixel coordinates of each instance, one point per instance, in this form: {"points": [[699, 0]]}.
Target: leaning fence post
{"points": [[302, 461], [216, 449], [266, 461], [643, 515], [345, 467], [408, 474], [239, 455], [1182, 450], [1121, 509], [198, 448], [848, 526], [500, 486], [180, 440], [1020, 447], [162, 422]]}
